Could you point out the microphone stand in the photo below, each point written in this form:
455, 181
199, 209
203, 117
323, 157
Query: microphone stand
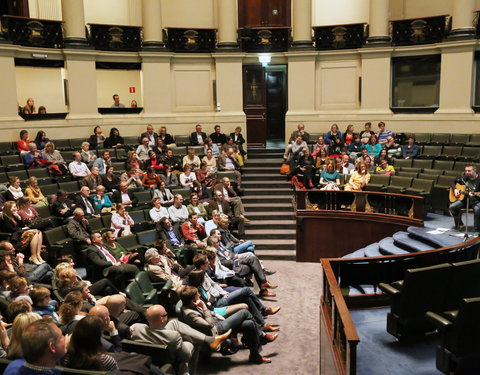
465, 236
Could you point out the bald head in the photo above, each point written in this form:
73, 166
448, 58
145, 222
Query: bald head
102, 312
116, 304
157, 316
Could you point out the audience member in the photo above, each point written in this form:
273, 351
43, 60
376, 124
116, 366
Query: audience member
114, 140
212, 146
153, 161
349, 135
143, 149
217, 136
93, 179
85, 202
198, 208
63, 207
238, 139
33, 192
373, 147
88, 156
231, 197
385, 168
122, 223
77, 168
30, 215
116, 102
150, 135
304, 165
162, 265
110, 180
103, 162
132, 178
160, 148
79, 230
166, 138
101, 201
157, 211
174, 240
21, 322
198, 138
41, 140
383, 133
173, 161
29, 108
177, 211
193, 231
14, 191
124, 196
151, 180
359, 178
118, 251
54, 156
366, 133
410, 150
333, 133
228, 162
394, 150
33, 158
187, 177
191, 159
42, 303
97, 139
210, 161
42, 110
165, 195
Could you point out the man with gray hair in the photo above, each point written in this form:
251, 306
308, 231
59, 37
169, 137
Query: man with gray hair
178, 212
79, 229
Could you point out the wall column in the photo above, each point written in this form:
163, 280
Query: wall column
378, 22
8, 94
462, 19
302, 24
375, 74
227, 25
152, 24
74, 22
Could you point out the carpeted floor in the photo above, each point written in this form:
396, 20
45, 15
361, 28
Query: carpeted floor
296, 351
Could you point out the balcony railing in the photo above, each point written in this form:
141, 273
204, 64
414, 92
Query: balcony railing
425, 30
340, 36
115, 38
265, 39
191, 40
32, 32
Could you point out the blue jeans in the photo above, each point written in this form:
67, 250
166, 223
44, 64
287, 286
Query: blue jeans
456, 207
244, 247
243, 321
245, 295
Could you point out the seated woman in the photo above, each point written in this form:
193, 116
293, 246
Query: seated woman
133, 160
367, 133
151, 180
383, 155
114, 140
373, 147
318, 146
54, 157
210, 161
110, 180
358, 179
166, 138
160, 148
333, 133
14, 191
23, 142
29, 108
329, 178
198, 208
230, 241
88, 156
157, 211
22, 235
165, 195
118, 251
70, 311
355, 148
21, 322
153, 161
122, 222
187, 177
322, 159
204, 175
97, 139
349, 135
370, 166
336, 147
33, 158
19, 289
33, 192
85, 350
41, 140
198, 316
170, 178
385, 168
30, 215
304, 165
102, 201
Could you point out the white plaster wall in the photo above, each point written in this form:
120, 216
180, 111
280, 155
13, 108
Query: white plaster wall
334, 12
111, 82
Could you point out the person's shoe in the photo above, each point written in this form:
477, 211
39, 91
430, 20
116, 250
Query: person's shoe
266, 293
34, 261
270, 328
258, 359
268, 285
248, 282
268, 337
271, 310
245, 219
268, 272
217, 341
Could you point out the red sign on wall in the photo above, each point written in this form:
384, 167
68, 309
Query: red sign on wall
131, 90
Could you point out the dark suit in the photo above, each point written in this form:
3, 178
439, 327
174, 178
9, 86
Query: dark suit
218, 138
97, 261
194, 139
235, 222
117, 197
146, 135
239, 142
91, 181
79, 201
80, 232
57, 206
182, 250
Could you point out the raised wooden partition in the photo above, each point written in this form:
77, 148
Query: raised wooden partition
326, 219
338, 336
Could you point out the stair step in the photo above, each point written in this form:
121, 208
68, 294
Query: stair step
276, 254
274, 244
263, 176
267, 198
264, 150
278, 155
271, 191
268, 215
272, 224
259, 170
267, 207
265, 184
254, 234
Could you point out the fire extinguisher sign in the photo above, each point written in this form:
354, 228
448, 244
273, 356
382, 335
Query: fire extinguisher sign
131, 90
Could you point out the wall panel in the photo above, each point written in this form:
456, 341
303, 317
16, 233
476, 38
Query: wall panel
337, 84
193, 88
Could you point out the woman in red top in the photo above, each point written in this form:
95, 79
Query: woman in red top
22, 143
153, 161
349, 135
151, 180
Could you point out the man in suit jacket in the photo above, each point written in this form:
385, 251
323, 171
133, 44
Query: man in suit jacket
218, 203
238, 139
198, 138
93, 179
112, 269
175, 240
181, 340
217, 136
124, 196
79, 230
85, 202
231, 197
63, 207
151, 135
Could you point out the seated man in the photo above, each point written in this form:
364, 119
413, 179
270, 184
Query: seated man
219, 204
161, 265
217, 136
191, 159
131, 178
296, 149
383, 133
394, 150
198, 138
347, 167
79, 230
63, 207
410, 150
213, 223
103, 162
142, 150
151, 135
124, 196
385, 168
178, 212
175, 241
85, 202
124, 313
228, 162
243, 264
179, 338
114, 342
463, 187
231, 197
77, 167
93, 179
116, 102
112, 269
299, 132
193, 231
172, 161
43, 346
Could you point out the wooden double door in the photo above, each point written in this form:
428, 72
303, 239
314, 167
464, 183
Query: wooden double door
258, 13
265, 102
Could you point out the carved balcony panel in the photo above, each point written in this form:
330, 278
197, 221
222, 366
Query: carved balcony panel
191, 40
265, 39
115, 37
420, 31
32, 32
340, 36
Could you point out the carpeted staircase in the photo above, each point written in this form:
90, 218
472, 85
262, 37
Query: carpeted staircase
268, 203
